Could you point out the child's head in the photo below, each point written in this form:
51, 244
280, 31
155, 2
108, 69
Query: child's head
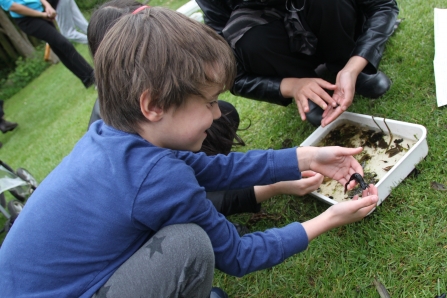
163, 53
105, 17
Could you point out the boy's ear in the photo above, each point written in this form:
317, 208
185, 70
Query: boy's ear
152, 114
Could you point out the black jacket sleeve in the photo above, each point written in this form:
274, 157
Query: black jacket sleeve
379, 19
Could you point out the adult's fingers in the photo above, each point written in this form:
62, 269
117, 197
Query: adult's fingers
331, 116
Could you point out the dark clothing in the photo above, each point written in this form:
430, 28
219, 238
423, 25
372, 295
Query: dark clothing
344, 28
231, 202
64, 49
2, 113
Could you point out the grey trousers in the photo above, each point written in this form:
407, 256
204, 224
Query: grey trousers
69, 18
178, 261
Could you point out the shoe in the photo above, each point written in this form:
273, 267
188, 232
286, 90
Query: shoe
218, 293
315, 114
372, 85
6, 126
90, 81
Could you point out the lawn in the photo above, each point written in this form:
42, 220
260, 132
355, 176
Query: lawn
403, 243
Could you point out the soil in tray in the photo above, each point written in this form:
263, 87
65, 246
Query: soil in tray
379, 155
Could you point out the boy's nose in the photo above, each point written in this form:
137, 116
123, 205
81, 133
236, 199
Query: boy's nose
216, 112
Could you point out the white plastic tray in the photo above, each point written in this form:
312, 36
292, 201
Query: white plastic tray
401, 169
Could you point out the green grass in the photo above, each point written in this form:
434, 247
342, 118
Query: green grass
404, 242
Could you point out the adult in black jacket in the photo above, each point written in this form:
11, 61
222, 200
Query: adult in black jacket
278, 44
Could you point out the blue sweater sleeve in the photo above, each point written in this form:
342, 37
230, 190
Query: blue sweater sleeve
183, 200
239, 170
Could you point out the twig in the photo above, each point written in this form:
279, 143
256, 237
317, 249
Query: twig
391, 135
377, 124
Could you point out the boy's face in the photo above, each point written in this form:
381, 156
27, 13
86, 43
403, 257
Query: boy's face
184, 127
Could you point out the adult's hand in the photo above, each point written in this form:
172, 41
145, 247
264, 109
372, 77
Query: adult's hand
343, 95
49, 10
306, 89
345, 89
26, 11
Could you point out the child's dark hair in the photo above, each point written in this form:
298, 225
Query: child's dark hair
222, 136
162, 52
105, 17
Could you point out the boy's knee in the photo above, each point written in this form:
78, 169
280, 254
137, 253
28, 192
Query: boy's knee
189, 238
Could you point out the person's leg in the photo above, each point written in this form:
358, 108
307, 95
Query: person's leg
229, 202
65, 19
46, 31
264, 50
334, 23
337, 24
178, 261
5, 126
2, 113
79, 19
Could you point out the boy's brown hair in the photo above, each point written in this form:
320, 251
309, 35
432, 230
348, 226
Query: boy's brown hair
161, 51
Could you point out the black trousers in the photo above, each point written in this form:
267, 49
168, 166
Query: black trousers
264, 50
64, 49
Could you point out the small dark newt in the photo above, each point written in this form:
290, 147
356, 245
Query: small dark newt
357, 177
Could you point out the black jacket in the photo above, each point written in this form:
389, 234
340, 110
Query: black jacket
379, 20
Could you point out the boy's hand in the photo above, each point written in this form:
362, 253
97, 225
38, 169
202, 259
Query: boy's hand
352, 211
337, 163
301, 187
342, 213
295, 187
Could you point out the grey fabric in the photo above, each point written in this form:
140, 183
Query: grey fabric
69, 18
178, 261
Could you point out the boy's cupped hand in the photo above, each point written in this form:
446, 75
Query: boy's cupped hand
342, 213
354, 210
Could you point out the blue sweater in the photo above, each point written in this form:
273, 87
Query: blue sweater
113, 192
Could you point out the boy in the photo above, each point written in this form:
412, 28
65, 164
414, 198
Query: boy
125, 214
220, 136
